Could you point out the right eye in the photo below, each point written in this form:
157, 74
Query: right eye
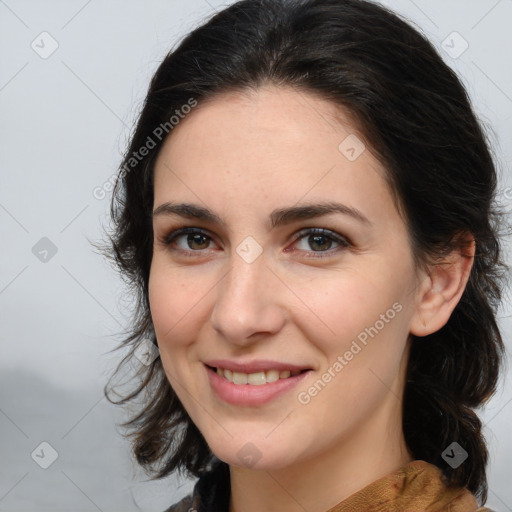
188, 238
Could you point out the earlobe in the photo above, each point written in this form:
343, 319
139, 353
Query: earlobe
442, 288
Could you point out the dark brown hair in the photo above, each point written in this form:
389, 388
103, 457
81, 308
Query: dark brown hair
414, 114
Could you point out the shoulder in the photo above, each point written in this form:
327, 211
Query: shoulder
184, 505
211, 491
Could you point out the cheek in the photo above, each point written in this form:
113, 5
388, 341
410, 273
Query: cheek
361, 334
338, 311
171, 302
163, 304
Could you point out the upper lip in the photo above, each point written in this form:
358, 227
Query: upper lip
254, 366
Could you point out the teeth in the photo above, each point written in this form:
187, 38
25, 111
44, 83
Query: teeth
255, 379
239, 378
272, 376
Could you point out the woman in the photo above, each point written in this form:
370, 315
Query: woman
306, 213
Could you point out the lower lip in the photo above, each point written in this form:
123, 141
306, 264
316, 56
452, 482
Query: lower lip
248, 394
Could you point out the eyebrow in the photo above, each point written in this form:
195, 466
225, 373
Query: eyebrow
278, 217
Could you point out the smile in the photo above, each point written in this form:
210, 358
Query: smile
257, 378
256, 385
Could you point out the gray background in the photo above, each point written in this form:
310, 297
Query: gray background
65, 120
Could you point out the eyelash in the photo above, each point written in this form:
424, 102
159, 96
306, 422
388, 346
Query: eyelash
342, 241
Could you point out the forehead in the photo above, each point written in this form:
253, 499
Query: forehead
270, 146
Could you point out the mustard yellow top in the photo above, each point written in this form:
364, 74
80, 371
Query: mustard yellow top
417, 486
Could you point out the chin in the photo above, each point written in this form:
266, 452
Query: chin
254, 455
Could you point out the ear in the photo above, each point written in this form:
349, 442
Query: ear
442, 287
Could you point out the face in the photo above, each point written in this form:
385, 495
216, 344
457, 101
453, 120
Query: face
305, 306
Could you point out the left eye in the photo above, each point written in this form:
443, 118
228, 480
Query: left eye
322, 239
319, 239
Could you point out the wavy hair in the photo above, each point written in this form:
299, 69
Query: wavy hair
415, 116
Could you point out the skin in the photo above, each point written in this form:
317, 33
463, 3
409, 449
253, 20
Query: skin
242, 155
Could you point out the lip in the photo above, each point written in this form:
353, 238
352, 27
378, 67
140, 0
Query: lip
259, 365
248, 394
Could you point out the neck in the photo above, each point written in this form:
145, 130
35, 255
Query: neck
317, 484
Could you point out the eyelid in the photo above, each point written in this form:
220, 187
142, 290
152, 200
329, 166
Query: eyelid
342, 240
185, 230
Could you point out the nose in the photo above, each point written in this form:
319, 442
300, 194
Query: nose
248, 302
